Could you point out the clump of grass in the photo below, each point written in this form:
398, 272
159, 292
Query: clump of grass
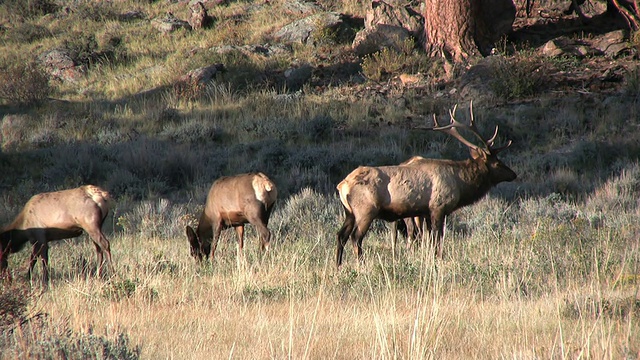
158, 218
23, 83
516, 78
26, 33
613, 307
28, 9
632, 81
120, 289
14, 300
390, 62
48, 342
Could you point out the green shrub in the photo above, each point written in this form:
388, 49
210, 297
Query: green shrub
389, 62
118, 290
24, 84
516, 78
28, 8
384, 64
26, 33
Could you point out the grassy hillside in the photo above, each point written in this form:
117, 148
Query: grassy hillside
544, 267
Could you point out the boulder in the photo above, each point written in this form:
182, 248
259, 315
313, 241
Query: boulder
306, 30
381, 13
387, 26
565, 46
60, 66
296, 77
266, 50
301, 7
202, 75
369, 41
169, 23
612, 44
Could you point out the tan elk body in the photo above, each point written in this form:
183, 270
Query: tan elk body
55, 216
427, 188
234, 201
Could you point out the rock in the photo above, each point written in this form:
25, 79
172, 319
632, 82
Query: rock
266, 50
289, 97
301, 7
306, 30
387, 26
381, 13
612, 44
169, 23
369, 41
295, 78
202, 75
565, 46
60, 66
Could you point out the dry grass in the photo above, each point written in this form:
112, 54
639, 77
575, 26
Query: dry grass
508, 287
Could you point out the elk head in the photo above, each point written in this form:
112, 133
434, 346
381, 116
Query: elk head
486, 154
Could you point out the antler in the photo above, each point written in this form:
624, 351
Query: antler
452, 129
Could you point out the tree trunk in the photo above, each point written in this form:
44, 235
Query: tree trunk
459, 29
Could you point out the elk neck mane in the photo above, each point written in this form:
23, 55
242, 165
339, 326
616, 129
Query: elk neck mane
474, 175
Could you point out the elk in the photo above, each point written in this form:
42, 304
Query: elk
54, 216
429, 188
232, 202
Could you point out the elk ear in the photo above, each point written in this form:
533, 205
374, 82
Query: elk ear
478, 154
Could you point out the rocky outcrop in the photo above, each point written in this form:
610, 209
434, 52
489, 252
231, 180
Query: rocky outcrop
169, 23
310, 29
60, 66
202, 75
612, 44
387, 26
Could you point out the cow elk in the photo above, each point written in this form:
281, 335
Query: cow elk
55, 216
234, 201
428, 188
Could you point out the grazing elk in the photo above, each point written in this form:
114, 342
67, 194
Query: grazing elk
55, 216
429, 188
232, 202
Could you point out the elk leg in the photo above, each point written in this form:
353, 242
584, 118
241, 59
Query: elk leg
103, 249
259, 218
419, 222
437, 223
240, 232
4, 265
40, 250
411, 230
343, 235
362, 227
214, 242
394, 236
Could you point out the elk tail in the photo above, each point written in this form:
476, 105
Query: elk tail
344, 189
100, 197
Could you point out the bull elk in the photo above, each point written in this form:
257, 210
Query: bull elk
429, 188
234, 201
55, 216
